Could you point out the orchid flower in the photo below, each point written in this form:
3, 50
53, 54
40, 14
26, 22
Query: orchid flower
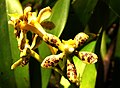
68, 49
23, 23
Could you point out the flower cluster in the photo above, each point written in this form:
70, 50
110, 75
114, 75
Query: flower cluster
28, 21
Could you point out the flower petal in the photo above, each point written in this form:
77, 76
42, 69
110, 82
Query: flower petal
52, 40
17, 63
80, 39
36, 42
87, 57
71, 72
27, 9
52, 60
44, 14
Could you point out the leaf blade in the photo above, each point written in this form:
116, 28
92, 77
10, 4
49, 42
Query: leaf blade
59, 16
21, 74
7, 78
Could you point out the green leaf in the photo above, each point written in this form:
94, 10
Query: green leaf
58, 17
7, 78
115, 5
9, 52
86, 73
88, 79
84, 9
14, 7
103, 45
64, 82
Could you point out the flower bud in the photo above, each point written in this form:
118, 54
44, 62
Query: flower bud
87, 57
81, 39
71, 72
52, 60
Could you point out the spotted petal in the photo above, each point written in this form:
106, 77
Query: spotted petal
80, 39
71, 72
52, 40
52, 60
87, 57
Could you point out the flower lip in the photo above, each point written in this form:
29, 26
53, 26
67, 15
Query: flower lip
71, 49
68, 49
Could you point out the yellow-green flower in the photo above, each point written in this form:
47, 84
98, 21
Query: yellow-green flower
69, 48
28, 21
